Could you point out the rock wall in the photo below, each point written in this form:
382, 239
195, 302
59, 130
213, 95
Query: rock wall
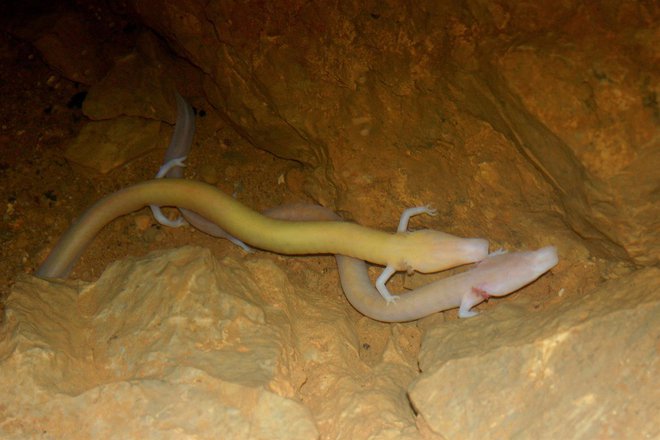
178, 344
570, 89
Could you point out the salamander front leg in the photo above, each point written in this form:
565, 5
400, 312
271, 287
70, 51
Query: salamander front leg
464, 309
389, 270
410, 212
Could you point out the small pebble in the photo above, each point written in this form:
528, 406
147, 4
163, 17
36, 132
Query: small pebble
295, 180
151, 235
143, 222
209, 173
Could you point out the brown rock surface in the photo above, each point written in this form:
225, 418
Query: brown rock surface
389, 87
126, 107
177, 343
69, 44
585, 368
165, 346
139, 83
105, 145
139, 353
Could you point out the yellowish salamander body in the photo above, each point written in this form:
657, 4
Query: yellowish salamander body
424, 251
499, 274
311, 229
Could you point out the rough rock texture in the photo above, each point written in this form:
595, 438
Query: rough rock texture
163, 347
140, 83
572, 89
179, 344
585, 368
566, 95
67, 42
104, 145
126, 108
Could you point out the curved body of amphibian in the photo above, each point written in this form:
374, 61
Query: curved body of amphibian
499, 274
312, 229
424, 250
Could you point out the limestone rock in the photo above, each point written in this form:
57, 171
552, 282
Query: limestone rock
385, 99
178, 344
127, 106
105, 145
586, 368
160, 347
515, 120
68, 43
135, 86
597, 101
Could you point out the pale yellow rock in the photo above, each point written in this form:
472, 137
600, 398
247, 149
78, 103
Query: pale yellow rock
135, 86
584, 369
160, 347
179, 344
209, 173
349, 398
143, 222
105, 145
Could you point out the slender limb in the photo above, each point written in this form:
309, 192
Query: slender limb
199, 224
155, 210
389, 270
239, 243
405, 217
380, 284
465, 312
167, 166
471, 299
160, 218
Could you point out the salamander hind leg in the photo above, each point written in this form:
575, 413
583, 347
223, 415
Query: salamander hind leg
158, 214
167, 166
380, 284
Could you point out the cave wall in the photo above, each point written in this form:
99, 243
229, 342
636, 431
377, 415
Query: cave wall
571, 89
526, 123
